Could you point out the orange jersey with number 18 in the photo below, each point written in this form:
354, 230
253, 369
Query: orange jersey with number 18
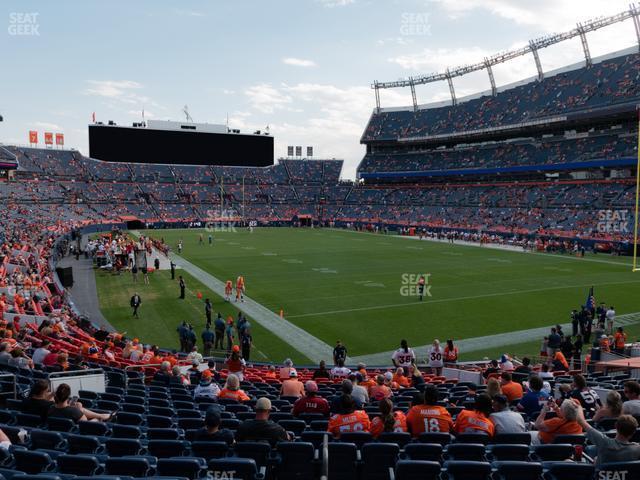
429, 418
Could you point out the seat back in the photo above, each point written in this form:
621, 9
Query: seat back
78, 465
431, 452
412, 469
467, 470
120, 447
343, 459
243, 468
179, 467
258, 451
465, 451
32, 462
134, 467
515, 470
167, 448
378, 458
296, 460
209, 450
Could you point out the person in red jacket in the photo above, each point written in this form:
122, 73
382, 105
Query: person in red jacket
311, 402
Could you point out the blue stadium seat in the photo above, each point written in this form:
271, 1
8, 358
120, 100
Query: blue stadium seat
84, 444
435, 437
133, 408
401, 438
551, 453
505, 452
32, 462
163, 434
28, 420
209, 450
93, 428
315, 437
514, 470
571, 439
319, 425
58, 424
167, 448
378, 459
126, 418
125, 431
632, 470
343, 461
568, 471
194, 423
518, 438
295, 426
359, 438
465, 451
414, 469
120, 447
41, 439
467, 470
295, 460
260, 452
431, 452
134, 467
243, 468
79, 465
473, 438
158, 421
180, 467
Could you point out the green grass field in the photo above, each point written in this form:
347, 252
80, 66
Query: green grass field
347, 285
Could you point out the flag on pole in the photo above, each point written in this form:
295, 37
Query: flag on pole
591, 301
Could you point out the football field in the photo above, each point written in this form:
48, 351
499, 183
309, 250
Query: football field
360, 287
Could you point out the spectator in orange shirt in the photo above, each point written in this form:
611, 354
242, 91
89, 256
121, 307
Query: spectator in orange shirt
560, 362
271, 373
619, 341
232, 390
476, 420
400, 379
379, 390
292, 387
348, 419
425, 415
450, 353
510, 389
566, 423
388, 421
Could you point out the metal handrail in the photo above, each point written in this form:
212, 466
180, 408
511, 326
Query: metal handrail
324, 475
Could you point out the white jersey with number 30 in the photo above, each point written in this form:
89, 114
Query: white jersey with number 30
402, 358
434, 357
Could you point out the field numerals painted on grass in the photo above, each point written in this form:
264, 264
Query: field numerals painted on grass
324, 270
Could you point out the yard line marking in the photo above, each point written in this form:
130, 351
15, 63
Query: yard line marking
454, 299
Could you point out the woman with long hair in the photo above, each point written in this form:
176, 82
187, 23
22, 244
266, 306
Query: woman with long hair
388, 421
493, 387
450, 353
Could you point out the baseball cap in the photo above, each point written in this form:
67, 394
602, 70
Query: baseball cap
388, 376
206, 376
311, 386
263, 404
236, 348
293, 373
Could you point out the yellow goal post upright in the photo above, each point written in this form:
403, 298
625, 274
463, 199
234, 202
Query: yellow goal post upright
636, 268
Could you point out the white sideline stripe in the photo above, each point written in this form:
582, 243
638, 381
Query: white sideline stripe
504, 248
490, 341
302, 341
454, 299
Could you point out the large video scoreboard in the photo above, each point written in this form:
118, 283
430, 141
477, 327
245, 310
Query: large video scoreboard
179, 143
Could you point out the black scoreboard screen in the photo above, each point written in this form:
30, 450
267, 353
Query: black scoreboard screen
146, 145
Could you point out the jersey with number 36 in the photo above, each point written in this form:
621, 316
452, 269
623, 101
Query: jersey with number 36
402, 358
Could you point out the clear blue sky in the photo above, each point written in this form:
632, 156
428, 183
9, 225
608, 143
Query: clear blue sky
303, 67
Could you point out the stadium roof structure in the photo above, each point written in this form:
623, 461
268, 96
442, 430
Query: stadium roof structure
532, 48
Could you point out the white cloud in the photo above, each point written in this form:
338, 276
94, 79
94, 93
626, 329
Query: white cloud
266, 98
299, 62
228, 92
47, 125
188, 13
394, 41
112, 88
335, 3
138, 114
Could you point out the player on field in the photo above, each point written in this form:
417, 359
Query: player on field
425, 415
180, 246
404, 356
421, 284
240, 288
349, 419
228, 289
200, 239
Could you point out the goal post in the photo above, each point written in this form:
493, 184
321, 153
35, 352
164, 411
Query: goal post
635, 219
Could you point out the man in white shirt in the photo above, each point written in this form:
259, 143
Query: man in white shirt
340, 371
41, 352
505, 420
632, 392
611, 316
